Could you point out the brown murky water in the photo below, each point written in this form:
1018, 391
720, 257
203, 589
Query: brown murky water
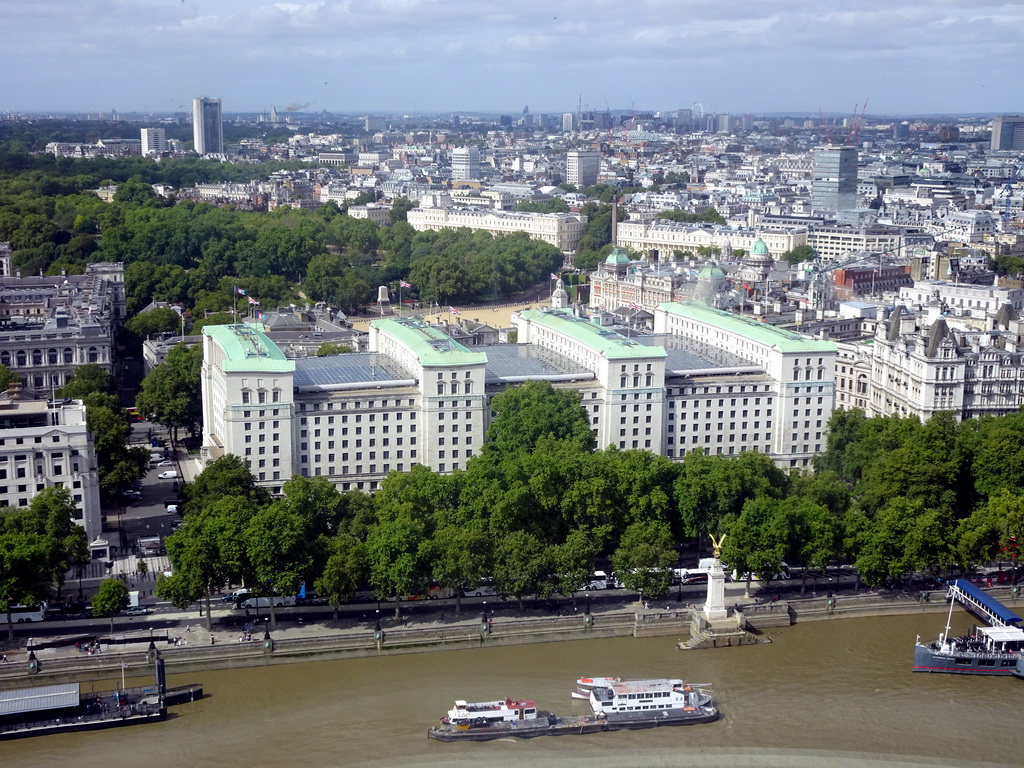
831, 693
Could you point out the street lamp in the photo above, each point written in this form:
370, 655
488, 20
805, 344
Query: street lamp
679, 591
587, 609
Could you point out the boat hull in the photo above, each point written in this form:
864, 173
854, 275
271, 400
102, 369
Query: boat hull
929, 658
574, 725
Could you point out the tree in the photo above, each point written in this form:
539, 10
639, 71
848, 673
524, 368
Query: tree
799, 254
574, 559
332, 348
521, 565
171, 392
154, 321
394, 548
644, 558
400, 209
21, 580
88, 379
110, 600
344, 571
757, 540
277, 543
7, 377
535, 409
459, 556
227, 476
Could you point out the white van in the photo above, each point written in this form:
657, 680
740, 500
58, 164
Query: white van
783, 574
598, 581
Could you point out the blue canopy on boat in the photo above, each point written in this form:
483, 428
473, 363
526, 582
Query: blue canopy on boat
987, 601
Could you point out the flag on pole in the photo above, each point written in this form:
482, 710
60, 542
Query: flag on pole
404, 284
454, 311
382, 311
253, 301
239, 291
554, 276
635, 306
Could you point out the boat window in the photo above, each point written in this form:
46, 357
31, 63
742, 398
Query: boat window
963, 662
986, 662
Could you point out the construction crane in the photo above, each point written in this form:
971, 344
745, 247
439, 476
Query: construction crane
824, 125
853, 137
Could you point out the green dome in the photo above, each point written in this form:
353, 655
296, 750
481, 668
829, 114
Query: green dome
711, 272
760, 248
617, 256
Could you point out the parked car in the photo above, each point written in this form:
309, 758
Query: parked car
176, 524
137, 610
169, 474
132, 494
166, 463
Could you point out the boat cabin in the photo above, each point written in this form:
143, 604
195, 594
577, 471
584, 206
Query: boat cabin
642, 696
504, 711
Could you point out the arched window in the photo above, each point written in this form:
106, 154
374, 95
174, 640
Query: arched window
37, 357
5, 358
93, 355
51, 356
22, 358
69, 355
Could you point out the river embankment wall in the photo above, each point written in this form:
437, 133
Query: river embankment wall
320, 642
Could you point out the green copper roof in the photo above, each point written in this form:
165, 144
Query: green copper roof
711, 272
762, 333
430, 345
614, 346
247, 348
617, 256
760, 247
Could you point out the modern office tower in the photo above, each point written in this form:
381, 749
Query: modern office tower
582, 167
154, 141
207, 126
901, 130
568, 122
465, 163
834, 187
1008, 132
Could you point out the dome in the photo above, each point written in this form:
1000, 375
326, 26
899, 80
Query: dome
760, 248
617, 256
711, 272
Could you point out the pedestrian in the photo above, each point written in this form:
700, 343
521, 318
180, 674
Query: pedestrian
4, 659
188, 628
213, 640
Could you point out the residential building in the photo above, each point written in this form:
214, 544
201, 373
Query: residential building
582, 167
207, 126
465, 163
834, 186
154, 141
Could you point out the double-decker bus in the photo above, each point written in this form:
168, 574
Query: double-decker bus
21, 614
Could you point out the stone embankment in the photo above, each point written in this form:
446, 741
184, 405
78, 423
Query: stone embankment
198, 650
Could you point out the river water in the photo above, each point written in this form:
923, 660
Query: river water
832, 693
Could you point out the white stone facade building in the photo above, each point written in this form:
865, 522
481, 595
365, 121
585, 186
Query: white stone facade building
563, 230
666, 237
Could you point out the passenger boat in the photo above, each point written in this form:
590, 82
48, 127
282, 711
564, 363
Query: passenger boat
586, 684
647, 702
616, 706
486, 713
992, 650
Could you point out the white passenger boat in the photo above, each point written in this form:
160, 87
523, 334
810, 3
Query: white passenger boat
484, 713
644, 699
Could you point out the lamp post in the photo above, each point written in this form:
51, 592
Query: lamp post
679, 591
587, 609
484, 625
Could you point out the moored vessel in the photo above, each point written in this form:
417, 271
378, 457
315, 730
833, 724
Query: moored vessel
585, 685
993, 650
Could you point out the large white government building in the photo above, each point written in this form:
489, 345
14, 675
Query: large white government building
706, 379
563, 230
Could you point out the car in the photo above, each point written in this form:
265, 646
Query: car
166, 463
176, 524
132, 494
137, 610
169, 474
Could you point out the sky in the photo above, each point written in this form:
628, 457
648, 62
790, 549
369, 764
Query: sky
420, 56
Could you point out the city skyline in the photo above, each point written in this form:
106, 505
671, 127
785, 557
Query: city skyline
421, 56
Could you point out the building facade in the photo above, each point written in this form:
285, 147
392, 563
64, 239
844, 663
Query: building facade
465, 163
207, 126
1008, 133
834, 186
46, 444
563, 230
582, 167
661, 238
154, 141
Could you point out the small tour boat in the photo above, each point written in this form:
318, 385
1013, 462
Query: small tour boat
485, 713
586, 684
642, 700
